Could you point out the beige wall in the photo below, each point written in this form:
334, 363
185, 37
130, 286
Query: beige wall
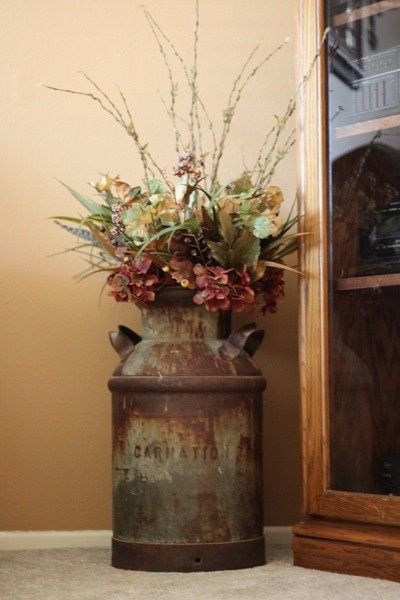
55, 407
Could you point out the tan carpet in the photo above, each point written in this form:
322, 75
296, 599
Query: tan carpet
86, 575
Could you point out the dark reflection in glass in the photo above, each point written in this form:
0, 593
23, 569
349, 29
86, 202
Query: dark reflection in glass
363, 94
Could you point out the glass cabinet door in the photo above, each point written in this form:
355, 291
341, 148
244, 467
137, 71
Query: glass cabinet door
363, 122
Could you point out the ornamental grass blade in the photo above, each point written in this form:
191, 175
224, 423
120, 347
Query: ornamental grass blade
101, 293
277, 265
292, 244
73, 249
93, 273
281, 243
165, 231
287, 249
77, 220
289, 223
80, 220
92, 207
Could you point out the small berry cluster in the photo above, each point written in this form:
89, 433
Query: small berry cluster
116, 217
188, 165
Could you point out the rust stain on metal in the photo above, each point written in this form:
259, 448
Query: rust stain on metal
208, 515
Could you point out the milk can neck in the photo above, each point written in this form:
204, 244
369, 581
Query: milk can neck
178, 323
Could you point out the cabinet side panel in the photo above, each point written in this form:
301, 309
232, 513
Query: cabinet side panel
313, 259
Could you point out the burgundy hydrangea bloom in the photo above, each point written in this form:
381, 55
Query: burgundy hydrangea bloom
271, 287
223, 289
242, 294
207, 275
181, 271
214, 289
133, 282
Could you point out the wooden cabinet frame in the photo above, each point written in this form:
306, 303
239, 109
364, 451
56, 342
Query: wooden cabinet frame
342, 531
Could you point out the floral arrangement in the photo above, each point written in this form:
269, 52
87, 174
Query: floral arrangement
226, 242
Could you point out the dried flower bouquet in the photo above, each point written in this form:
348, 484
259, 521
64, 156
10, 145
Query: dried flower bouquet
226, 242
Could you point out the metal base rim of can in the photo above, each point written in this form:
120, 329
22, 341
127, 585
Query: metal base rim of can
218, 556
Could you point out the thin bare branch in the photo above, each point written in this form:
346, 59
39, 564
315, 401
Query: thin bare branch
240, 74
279, 129
193, 80
127, 109
179, 57
234, 99
103, 93
178, 117
283, 120
89, 95
257, 164
173, 85
280, 155
308, 73
145, 156
169, 42
131, 130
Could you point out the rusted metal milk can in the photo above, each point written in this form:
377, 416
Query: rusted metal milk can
187, 456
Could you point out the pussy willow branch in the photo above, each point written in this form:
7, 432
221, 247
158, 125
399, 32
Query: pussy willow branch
179, 57
127, 109
232, 105
178, 117
240, 75
282, 121
258, 163
220, 148
193, 81
308, 73
89, 95
173, 87
130, 128
280, 155
279, 128
103, 93
195, 97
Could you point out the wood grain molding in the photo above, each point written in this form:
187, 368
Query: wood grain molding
354, 549
367, 508
348, 558
356, 533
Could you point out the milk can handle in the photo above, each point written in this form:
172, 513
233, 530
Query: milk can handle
246, 338
124, 341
